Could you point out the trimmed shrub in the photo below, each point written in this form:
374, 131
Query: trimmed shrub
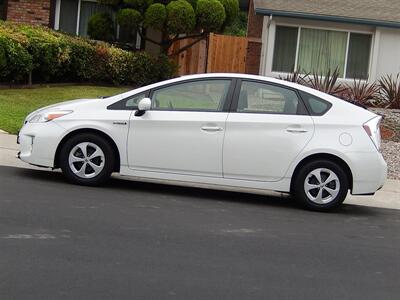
181, 17
231, 9
139, 4
50, 56
155, 16
100, 27
193, 3
129, 18
210, 15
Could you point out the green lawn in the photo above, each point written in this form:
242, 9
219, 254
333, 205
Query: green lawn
15, 104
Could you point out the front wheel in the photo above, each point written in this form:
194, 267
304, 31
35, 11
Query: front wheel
321, 185
87, 159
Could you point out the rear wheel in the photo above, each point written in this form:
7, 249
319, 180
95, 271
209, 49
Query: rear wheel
87, 159
321, 185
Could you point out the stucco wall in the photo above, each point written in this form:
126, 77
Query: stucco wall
388, 56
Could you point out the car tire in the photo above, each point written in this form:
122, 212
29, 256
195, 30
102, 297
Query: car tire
87, 159
321, 185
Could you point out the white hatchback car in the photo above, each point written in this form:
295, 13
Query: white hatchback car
226, 130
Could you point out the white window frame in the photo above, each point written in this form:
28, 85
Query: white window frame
348, 31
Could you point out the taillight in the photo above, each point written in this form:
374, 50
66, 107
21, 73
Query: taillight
372, 128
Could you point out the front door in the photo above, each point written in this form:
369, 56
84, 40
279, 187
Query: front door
183, 132
268, 128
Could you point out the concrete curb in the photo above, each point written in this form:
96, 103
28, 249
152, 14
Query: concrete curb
3, 132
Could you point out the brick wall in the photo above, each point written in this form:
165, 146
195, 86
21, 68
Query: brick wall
254, 33
29, 11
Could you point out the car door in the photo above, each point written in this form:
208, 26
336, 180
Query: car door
183, 132
267, 128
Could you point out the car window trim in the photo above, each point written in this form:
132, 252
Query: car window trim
227, 100
235, 100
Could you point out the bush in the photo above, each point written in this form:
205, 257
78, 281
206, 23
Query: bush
231, 9
129, 18
238, 26
210, 15
100, 27
181, 17
50, 56
155, 16
15, 61
139, 4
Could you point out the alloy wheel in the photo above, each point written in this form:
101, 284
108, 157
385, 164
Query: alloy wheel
322, 186
86, 160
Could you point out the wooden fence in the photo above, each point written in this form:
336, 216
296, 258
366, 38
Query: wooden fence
220, 53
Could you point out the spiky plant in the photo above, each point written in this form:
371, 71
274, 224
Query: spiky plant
327, 83
361, 92
295, 77
389, 91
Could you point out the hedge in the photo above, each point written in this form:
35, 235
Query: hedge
45, 55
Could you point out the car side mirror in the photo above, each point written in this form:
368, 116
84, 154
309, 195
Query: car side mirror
143, 105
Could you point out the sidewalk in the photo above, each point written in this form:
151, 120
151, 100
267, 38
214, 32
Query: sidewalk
387, 197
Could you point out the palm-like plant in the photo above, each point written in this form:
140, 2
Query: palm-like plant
389, 91
361, 92
295, 77
326, 83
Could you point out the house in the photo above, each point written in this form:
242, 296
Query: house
71, 16
360, 38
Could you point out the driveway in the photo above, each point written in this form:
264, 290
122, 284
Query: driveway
134, 240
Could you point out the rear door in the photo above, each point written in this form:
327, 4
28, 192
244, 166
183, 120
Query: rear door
183, 132
265, 131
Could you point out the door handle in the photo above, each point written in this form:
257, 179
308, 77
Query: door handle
296, 130
211, 128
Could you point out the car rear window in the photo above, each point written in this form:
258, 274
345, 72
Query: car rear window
315, 105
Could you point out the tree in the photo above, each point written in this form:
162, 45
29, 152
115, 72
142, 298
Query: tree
176, 20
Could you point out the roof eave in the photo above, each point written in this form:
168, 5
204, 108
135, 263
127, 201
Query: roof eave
301, 15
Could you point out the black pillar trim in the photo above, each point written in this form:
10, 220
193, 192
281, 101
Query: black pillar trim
52, 17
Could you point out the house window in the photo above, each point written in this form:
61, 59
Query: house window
74, 15
309, 50
88, 9
2, 10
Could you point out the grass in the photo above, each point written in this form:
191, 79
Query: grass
15, 104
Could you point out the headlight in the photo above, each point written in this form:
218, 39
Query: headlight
48, 116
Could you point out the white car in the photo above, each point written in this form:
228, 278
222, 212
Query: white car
225, 130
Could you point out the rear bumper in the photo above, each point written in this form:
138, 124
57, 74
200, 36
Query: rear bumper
369, 172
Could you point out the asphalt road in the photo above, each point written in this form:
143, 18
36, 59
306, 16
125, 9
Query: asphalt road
134, 240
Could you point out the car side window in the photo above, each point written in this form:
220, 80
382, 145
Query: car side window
257, 97
316, 105
129, 103
204, 95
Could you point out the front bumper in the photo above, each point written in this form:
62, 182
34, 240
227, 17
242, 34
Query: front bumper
38, 143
